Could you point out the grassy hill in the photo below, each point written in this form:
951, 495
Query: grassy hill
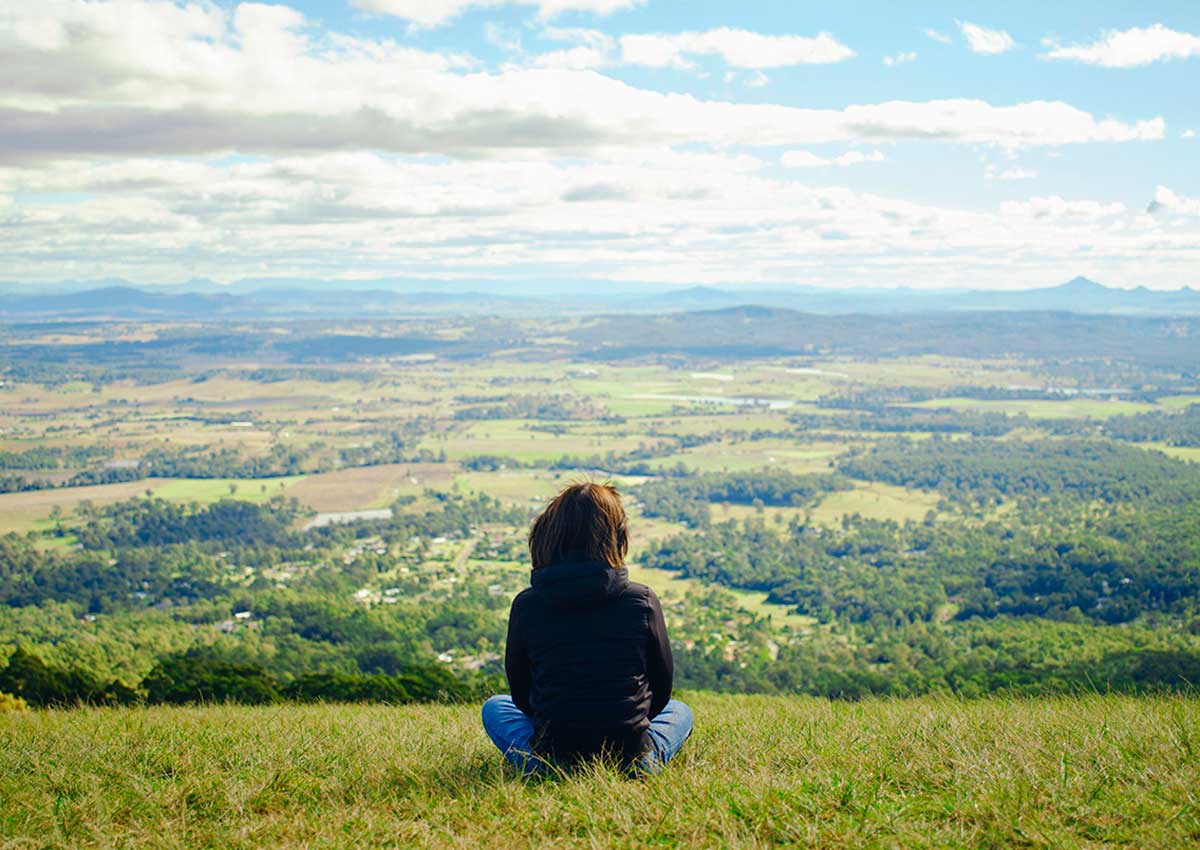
1093, 771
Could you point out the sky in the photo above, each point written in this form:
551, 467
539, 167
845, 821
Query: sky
595, 143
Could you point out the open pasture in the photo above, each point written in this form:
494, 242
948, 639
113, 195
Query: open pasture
740, 455
669, 585
367, 487
875, 500
1088, 771
528, 441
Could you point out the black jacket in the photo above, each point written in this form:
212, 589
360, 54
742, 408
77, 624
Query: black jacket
588, 659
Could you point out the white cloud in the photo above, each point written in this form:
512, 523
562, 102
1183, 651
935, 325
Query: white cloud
1165, 199
365, 157
651, 215
738, 49
595, 49
807, 159
984, 40
1055, 207
195, 79
1130, 48
433, 13
1188, 134
757, 80
1015, 173
575, 58
900, 58
937, 36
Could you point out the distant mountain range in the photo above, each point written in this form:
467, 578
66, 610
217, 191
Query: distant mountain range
276, 298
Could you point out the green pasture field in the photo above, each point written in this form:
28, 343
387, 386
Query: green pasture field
1178, 402
668, 584
1191, 453
208, 490
516, 438
875, 500
23, 512
936, 371
758, 772
797, 456
772, 517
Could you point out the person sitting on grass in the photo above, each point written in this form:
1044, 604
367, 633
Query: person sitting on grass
588, 659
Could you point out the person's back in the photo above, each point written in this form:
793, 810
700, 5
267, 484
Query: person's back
588, 659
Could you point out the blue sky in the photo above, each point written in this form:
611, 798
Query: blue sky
936, 145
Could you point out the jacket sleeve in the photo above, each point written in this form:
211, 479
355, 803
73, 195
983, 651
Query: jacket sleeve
660, 667
516, 661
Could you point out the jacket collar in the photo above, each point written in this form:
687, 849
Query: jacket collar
579, 583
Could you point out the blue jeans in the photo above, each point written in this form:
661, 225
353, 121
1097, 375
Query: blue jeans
510, 730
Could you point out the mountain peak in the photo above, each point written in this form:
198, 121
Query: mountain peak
1082, 284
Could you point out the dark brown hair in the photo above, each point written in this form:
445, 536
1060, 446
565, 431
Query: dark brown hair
586, 521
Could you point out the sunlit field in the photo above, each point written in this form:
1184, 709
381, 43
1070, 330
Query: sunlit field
1091, 771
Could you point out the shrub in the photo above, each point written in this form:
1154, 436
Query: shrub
10, 703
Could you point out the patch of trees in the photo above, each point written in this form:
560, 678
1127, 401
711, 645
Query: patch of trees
27, 677
750, 331
53, 457
205, 462
984, 471
885, 419
562, 407
201, 675
1113, 568
686, 499
156, 522
1175, 428
84, 478
100, 583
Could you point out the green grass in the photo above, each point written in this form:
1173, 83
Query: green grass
667, 584
759, 772
1178, 402
1191, 453
214, 489
875, 500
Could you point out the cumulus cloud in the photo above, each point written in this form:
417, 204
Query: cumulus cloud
594, 49
655, 215
1167, 201
737, 48
1188, 134
807, 159
195, 139
984, 40
433, 13
1055, 207
937, 36
193, 79
900, 58
1129, 48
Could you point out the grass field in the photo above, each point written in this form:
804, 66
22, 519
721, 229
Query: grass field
876, 501
1094, 771
667, 584
1191, 453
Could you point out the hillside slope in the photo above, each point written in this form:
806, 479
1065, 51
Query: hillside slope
1097, 771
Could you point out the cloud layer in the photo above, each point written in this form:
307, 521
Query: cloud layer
433, 13
1130, 48
179, 139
